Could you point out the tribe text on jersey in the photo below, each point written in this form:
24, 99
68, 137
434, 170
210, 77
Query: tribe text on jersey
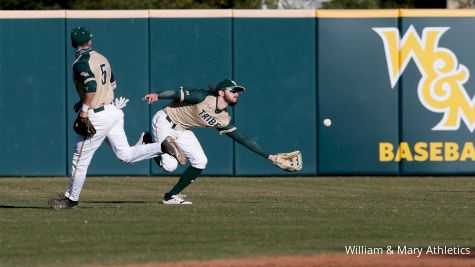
201, 115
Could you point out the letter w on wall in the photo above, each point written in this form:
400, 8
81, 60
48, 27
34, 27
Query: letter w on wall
441, 87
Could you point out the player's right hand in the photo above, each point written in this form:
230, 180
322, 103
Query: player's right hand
152, 97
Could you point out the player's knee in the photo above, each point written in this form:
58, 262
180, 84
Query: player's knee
168, 163
199, 162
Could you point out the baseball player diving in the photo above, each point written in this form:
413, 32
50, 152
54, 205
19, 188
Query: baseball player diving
200, 108
100, 118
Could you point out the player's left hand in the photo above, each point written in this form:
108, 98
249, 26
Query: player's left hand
152, 97
83, 126
291, 161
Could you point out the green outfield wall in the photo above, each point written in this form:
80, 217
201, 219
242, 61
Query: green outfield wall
395, 84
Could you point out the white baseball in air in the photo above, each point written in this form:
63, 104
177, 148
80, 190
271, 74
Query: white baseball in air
327, 122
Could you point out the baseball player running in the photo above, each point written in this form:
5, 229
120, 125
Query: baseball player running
99, 117
197, 108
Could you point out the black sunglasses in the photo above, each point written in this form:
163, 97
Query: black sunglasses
234, 90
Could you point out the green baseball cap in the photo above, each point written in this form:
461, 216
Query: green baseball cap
230, 84
80, 35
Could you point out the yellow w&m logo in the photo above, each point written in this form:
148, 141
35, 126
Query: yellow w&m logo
441, 88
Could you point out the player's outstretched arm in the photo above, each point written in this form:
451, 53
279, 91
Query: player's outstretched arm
287, 161
242, 139
165, 94
192, 96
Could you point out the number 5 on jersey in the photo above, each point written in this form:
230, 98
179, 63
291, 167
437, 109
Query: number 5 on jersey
103, 74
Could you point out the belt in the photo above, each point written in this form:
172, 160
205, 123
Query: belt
99, 109
170, 121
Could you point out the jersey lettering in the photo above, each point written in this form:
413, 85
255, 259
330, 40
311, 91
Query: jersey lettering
104, 74
212, 122
92, 70
198, 114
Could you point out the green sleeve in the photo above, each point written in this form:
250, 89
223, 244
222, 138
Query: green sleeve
84, 75
169, 94
195, 96
192, 96
242, 139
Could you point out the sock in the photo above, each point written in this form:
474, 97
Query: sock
190, 174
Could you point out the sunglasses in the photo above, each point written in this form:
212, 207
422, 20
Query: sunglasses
234, 90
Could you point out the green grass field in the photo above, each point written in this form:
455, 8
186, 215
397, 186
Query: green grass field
120, 219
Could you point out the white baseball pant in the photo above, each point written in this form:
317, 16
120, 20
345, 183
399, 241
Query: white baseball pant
109, 124
185, 139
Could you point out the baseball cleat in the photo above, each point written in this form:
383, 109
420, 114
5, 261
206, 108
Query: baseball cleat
62, 203
176, 200
170, 147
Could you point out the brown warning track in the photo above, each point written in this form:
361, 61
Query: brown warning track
334, 260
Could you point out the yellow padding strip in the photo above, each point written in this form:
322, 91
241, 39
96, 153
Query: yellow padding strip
357, 13
393, 13
273, 13
236, 13
437, 12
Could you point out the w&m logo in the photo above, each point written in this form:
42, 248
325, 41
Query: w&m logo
441, 88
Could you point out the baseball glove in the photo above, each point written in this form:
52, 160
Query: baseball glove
289, 161
84, 127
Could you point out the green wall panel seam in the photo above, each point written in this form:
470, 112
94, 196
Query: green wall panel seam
149, 87
317, 108
400, 97
232, 75
66, 95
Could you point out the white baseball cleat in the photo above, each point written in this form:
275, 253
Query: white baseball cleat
170, 147
176, 200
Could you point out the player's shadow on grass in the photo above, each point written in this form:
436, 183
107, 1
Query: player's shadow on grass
453, 191
91, 202
21, 207
117, 202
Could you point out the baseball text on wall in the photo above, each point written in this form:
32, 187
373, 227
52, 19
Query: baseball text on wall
440, 90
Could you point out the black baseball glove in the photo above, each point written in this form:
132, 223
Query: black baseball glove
84, 127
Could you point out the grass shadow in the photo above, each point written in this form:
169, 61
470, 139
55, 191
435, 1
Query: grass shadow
21, 207
118, 202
